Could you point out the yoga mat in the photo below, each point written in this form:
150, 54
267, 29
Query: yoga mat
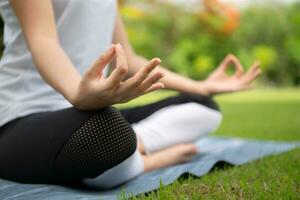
213, 150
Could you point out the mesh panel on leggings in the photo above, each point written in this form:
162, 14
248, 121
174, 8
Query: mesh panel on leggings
102, 142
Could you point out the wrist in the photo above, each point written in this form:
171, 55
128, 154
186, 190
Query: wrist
71, 94
205, 88
200, 87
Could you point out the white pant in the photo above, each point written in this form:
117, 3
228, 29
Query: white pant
175, 124
171, 125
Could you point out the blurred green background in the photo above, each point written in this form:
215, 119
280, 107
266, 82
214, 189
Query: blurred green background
193, 41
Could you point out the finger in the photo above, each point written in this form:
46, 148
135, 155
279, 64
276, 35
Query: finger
154, 87
231, 59
151, 80
252, 73
97, 68
254, 69
121, 69
142, 74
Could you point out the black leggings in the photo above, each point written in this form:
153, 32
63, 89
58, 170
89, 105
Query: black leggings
69, 145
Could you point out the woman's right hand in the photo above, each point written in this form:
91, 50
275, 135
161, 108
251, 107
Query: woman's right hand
94, 91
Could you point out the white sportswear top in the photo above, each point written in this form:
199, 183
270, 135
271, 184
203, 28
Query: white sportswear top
85, 29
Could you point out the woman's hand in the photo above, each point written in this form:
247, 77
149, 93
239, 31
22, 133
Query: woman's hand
95, 91
220, 82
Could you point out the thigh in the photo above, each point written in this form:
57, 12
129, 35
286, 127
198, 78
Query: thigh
47, 147
136, 114
28, 145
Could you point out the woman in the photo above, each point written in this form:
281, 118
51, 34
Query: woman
57, 123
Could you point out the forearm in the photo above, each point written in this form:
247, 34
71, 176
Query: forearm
37, 21
171, 80
55, 66
218, 82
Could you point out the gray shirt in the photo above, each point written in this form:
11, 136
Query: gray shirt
85, 29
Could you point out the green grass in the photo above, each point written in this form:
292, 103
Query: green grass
267, 114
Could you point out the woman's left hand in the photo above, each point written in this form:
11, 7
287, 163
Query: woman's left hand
220, 82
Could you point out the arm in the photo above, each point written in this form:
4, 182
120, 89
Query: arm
218, 82
36, 19
171, 80
92, 91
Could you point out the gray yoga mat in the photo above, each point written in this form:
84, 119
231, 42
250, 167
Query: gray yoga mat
213, 150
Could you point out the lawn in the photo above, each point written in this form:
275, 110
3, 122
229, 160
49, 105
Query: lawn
266, 114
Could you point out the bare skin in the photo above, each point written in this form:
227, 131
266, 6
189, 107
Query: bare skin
133, 75
176, 154
166, 157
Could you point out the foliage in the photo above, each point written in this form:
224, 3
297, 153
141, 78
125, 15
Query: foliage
190, 42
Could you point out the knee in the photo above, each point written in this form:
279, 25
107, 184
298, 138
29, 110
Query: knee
201, 120
208, 111
101, 143
214, 120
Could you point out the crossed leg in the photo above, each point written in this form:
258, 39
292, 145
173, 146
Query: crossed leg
165, 131
174, 120
170, 127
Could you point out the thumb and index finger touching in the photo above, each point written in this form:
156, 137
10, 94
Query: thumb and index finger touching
117, 75
96, 69
232, 60
239, 69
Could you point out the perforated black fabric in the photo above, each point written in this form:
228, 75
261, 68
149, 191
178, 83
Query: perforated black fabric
102, 142
60, 146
